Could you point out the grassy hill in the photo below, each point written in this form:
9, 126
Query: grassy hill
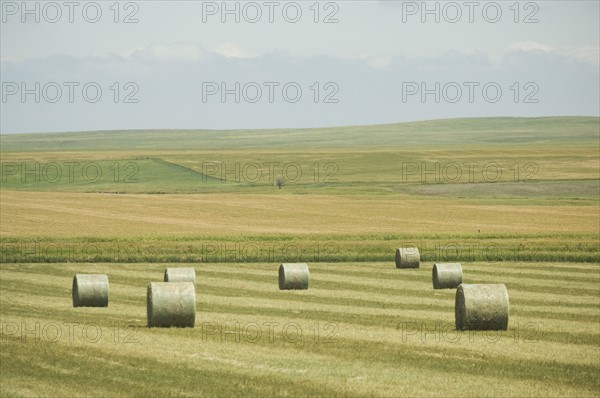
455, 133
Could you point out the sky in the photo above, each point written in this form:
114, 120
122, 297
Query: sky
107, 65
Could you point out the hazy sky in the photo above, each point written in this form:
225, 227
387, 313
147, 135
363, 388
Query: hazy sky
82, 65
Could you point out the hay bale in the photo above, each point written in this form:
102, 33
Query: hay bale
171, 304
90, 290
481, 307
446, 275
180, 275
293, 276
407, 257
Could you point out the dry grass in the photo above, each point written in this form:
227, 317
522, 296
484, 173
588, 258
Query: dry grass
53, 214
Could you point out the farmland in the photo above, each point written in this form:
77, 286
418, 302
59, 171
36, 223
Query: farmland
516, 201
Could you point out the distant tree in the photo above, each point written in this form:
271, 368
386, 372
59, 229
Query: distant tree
280, 182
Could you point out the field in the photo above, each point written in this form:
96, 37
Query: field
516, 201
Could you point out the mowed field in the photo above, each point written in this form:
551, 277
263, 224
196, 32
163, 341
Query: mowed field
362, 329
516, 201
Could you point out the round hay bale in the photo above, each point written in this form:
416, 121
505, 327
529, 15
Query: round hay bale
180, 275
90, 290
407, 257
171, 304
293, 276
446, 275
481, 307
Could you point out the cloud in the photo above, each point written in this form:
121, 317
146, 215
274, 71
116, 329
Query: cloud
530, 46
378, 62
9, 59
169, 53
586, 53
183, 52
232, 50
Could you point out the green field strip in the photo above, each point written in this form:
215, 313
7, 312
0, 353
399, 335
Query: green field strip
150, 175
185, 169
347, 248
